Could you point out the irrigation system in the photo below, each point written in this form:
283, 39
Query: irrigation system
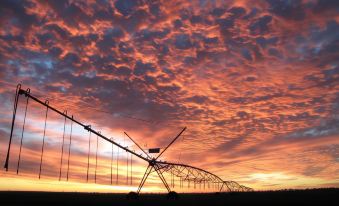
190, 175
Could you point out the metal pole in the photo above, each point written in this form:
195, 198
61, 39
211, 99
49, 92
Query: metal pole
16, 100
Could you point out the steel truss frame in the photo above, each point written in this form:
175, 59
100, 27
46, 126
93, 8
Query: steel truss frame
184, 172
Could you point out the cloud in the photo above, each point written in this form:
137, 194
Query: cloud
326, 128
254, 82
16, 10
143, 68
292, 10
260, 26
198, 99
126, 7
183, 41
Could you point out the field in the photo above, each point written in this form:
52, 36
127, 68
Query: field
285, 197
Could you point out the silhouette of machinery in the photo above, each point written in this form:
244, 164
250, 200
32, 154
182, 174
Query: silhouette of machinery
186, 173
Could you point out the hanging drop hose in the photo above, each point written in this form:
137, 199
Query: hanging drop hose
22, 134
96, 161
89, 152
69, 148
43, 139
127, 167
62, 147
112, 165
131, 170
117, 166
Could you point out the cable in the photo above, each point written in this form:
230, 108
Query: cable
43, 140
117, 179
131, 170
112, 164
69, 148
89, 152
62, 148
96, 161
127, 167
22, 137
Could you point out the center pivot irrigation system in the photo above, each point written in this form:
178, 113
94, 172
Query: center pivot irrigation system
185, 173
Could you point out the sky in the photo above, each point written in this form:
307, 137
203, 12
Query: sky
256, 83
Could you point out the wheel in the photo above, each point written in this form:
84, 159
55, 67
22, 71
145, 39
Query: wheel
132, 196
172, 195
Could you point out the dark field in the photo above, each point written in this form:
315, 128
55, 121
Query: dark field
286, 197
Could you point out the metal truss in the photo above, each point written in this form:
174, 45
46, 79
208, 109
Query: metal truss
185, 173
199, 177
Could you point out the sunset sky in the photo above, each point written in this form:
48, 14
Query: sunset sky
256, 83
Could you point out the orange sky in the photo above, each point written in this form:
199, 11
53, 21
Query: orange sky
254, 82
